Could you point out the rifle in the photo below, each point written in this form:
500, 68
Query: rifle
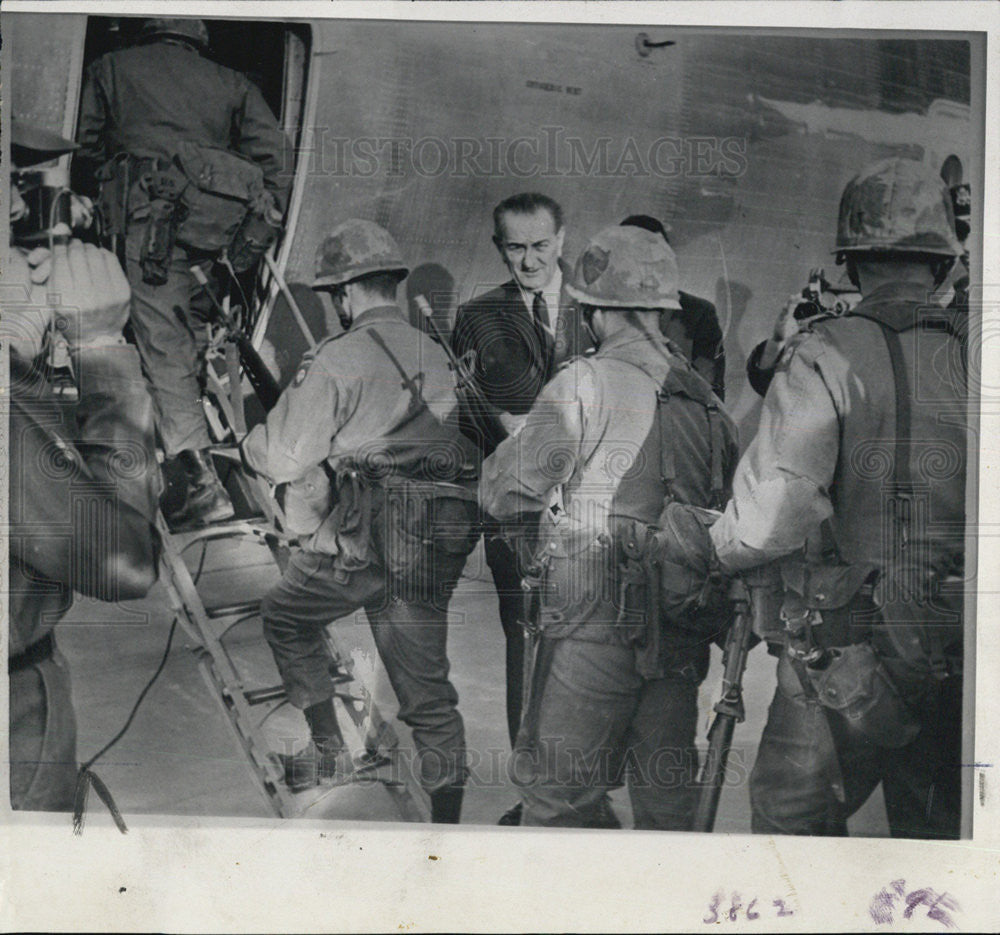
479, 408
729, 709
263, 383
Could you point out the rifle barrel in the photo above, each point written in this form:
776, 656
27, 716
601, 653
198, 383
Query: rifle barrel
728, 710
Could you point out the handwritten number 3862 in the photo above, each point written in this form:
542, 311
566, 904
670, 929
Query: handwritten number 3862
735, 905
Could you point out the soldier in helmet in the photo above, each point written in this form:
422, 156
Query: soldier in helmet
381, 490
607, 443
166, 131
855, 485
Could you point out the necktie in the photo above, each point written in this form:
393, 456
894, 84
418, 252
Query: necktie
540, 313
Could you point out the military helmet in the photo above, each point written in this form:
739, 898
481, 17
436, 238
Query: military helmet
626, 267
356, 248
193, 30
897, 206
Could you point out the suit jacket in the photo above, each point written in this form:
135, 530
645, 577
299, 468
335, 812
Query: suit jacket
511, 364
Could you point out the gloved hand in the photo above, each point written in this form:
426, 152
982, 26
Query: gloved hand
89, 295
81, 211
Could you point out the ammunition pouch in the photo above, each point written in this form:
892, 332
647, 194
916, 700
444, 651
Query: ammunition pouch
308, 502
212, 191
854, 683
158, 239
830, 619
332, 514
577, 592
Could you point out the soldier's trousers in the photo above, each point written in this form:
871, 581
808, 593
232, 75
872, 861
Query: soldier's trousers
171, 335
42, 737
790, 790
589, 716
410, 637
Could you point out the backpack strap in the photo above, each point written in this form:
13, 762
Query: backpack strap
717, 442
902, 479
682, 381
668, 467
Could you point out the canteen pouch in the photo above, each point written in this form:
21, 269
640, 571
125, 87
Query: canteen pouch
221, 187
856, 685
694, 597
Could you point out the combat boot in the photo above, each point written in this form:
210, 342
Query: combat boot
314, 763
206, 500
446, 804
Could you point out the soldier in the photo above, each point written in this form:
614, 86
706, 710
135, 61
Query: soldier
517, 334
83, 481
696, 330
608, 441
373, 408
856, 483
166, 131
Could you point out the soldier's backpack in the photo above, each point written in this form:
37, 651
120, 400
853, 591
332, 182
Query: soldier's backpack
686, 597
222, 187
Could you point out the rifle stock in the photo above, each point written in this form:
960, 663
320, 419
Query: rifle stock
728, 709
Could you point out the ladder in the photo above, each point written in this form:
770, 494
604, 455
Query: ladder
248, 708
214, 630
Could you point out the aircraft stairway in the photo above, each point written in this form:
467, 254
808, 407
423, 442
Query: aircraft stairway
228, 642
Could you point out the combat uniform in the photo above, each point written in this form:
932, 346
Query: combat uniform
143, 102
595, 430
823, 456
374, 408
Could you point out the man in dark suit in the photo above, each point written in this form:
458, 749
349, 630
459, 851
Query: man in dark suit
515, 336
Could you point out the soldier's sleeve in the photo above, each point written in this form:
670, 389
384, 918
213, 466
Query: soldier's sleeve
520, 475
296, 435
94, 111
781, 491
260, 139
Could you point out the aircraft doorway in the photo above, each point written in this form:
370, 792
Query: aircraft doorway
272, 55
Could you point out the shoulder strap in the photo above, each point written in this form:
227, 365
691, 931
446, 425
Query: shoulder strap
902, 494
682, 381
409, 383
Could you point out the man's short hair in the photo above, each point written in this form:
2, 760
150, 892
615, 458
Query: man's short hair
382, 284
525, 203
648, 223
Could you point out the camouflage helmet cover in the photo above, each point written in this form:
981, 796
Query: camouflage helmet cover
183, 28
899, 206
356, 248
626, 267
